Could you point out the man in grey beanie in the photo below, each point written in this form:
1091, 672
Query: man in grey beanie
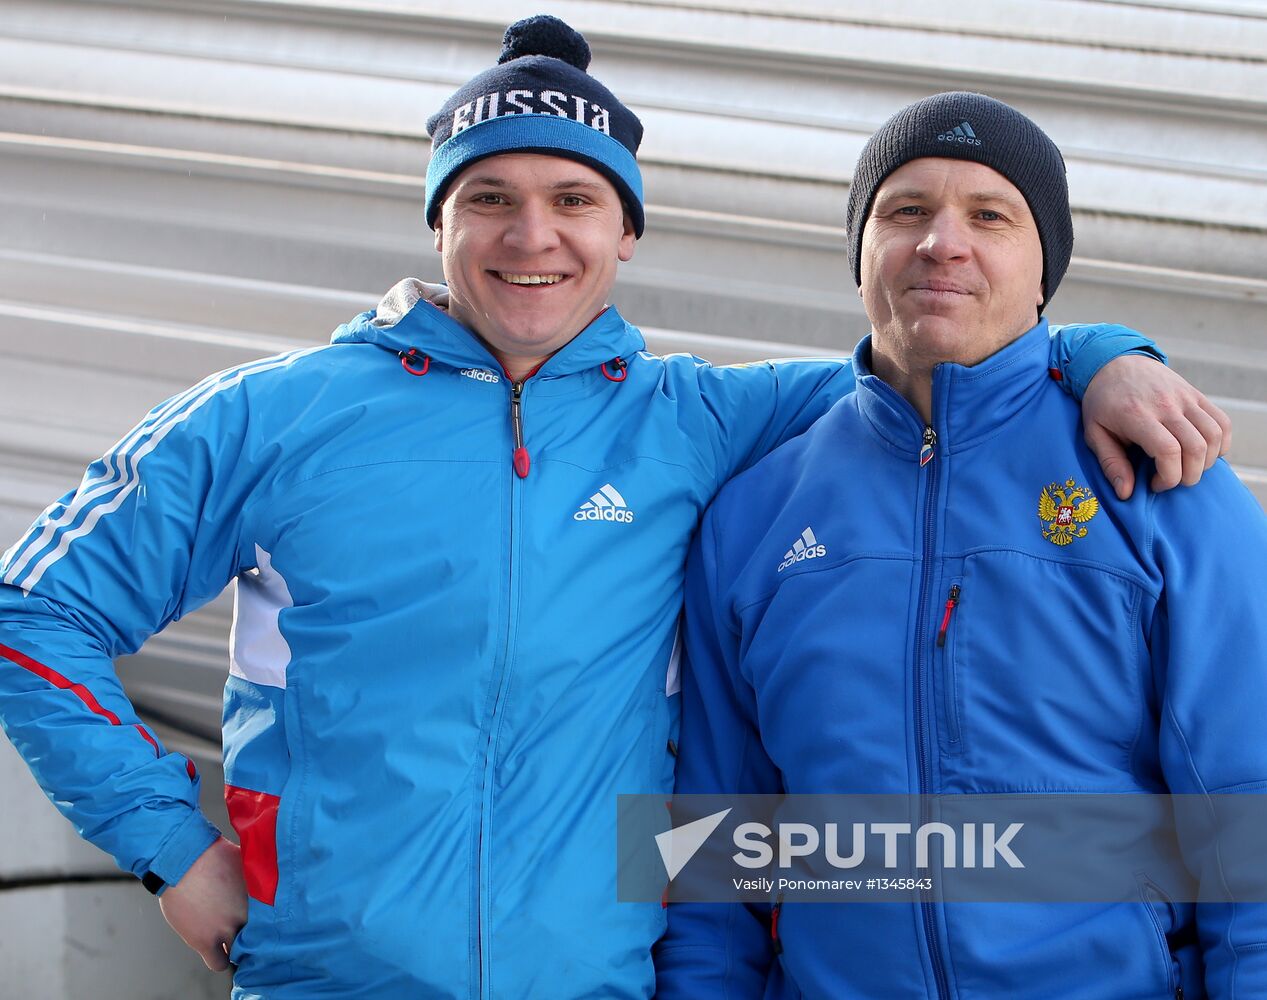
960, 295
1009, 143
977, 614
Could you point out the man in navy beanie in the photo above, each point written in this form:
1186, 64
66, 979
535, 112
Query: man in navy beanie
458, 535
532, 101
978, 617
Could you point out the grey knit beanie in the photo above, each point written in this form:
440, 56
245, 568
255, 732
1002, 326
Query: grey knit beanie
965, 126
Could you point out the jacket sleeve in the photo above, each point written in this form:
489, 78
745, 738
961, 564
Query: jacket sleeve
1208, 642
1080, 350
753, 408
761, 405
715, 949
150, 534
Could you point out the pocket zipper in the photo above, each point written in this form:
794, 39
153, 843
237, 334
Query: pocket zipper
774, 924
950, 693
1153, 893
952, 602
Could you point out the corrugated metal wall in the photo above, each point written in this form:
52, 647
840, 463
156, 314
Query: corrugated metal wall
188, 184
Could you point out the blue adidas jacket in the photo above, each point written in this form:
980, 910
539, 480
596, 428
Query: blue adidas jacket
443, 671
944, 629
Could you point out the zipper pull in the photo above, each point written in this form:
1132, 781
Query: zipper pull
522, 460
774, 924
952, 602
926, 449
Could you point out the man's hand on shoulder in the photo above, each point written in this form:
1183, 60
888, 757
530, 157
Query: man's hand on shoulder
207, 907
1137, 400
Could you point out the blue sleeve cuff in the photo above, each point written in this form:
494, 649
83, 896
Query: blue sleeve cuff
185, 846
1079, 351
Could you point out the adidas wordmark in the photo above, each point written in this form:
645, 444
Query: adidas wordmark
605, 505
805, 547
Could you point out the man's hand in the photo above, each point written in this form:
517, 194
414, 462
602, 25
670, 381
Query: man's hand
1137, 400
207, 907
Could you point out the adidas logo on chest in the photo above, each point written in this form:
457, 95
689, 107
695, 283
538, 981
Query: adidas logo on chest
805, 547
605, 505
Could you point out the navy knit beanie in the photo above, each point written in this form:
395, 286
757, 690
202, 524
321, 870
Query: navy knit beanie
966, 126
537, 99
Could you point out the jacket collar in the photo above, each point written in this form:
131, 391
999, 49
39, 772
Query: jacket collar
408, 317
969, 404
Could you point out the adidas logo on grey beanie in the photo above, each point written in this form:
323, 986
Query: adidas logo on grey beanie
974, 127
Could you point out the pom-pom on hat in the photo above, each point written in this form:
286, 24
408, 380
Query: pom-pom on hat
537, 99
964, 126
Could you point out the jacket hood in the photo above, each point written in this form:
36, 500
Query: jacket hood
413, 314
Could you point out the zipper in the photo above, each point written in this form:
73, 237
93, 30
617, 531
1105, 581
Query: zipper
946, 666
952, 602
521, 463
1153, 895
775, 913
521, 459
928, 446
927, 451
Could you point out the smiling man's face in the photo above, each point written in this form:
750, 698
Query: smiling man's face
530, 245
952, 266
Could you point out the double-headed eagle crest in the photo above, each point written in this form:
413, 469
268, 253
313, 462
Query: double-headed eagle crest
1063, 509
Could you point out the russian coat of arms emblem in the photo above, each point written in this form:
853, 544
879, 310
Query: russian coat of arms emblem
1064, 511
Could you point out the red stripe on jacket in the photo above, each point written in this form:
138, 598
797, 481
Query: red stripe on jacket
78, 690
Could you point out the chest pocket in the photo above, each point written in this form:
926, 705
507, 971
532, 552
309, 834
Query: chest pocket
1040, 677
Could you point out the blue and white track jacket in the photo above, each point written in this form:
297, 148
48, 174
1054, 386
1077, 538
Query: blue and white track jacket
940, 628
443, 670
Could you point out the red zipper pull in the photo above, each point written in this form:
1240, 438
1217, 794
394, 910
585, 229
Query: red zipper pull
522, 460
952, 602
